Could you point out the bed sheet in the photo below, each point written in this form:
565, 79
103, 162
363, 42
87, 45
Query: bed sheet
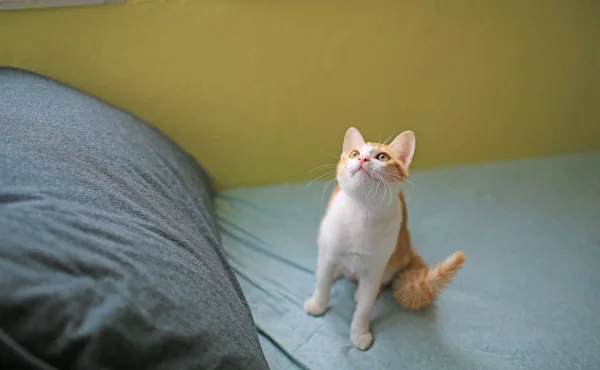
527, 297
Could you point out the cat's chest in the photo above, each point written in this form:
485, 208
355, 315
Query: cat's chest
359, 228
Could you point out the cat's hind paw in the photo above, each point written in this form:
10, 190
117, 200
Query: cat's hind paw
362, 341
313, 307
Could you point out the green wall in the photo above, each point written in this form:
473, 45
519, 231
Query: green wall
262, 91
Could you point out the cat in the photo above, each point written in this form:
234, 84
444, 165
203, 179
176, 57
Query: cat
364, 236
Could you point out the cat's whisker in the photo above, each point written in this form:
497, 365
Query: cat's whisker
321, 176
378, 184
381, 180
368, 191
400, 178
326, 186
381, 177
373, 191
385, 185
323, 166
391, 191
393, 176
373, 185
382, 173
388, 139
405, 179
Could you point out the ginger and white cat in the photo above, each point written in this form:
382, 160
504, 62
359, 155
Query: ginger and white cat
364, 235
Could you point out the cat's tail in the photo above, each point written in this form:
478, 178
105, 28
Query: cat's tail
418, 285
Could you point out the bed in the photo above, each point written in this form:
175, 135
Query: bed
115, 254
527, 297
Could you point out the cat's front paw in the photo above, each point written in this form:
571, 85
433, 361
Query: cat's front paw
362, 341
313, 307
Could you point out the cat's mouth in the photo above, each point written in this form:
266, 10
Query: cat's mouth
362, 170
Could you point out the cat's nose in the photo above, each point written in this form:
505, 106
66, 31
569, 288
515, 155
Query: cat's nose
362, 160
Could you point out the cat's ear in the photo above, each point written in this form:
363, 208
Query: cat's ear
352, 140
403, 147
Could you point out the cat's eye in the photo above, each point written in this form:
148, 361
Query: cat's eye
383, 157
354, 154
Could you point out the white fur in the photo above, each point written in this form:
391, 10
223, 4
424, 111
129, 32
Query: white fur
359, 231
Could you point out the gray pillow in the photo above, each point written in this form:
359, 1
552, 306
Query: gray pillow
110, 256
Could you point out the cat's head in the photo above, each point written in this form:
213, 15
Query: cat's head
370, 169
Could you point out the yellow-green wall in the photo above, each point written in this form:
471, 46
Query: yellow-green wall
261, 91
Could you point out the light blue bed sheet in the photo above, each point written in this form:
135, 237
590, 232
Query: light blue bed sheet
528, 296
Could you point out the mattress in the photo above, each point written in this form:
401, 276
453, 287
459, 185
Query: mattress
527, 297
